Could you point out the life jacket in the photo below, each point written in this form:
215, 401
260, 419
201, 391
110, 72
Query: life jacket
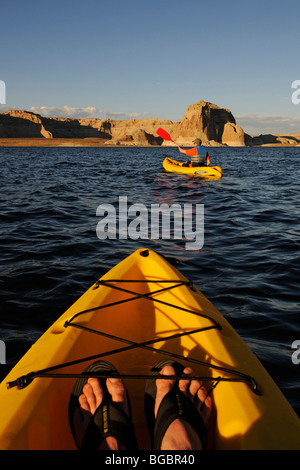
200, 158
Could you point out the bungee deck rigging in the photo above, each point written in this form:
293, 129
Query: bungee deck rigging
49, 372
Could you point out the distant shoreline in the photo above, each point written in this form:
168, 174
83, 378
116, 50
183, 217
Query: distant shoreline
98, 142
54, 142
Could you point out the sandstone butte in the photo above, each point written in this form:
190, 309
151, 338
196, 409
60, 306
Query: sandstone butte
214, 125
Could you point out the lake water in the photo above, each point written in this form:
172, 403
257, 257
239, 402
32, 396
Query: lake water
249, 265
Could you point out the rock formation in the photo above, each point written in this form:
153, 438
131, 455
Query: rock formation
233, 135
23, 124
204, 120
270, 139
137, 131
214, 125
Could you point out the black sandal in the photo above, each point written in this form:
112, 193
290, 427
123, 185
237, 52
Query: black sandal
175, 405
109, 419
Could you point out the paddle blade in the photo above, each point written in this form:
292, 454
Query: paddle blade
163, 134
208, 160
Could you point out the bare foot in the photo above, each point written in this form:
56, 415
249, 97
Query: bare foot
180, 435
91, 399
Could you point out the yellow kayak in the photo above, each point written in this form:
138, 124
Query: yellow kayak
144, 310
205, 171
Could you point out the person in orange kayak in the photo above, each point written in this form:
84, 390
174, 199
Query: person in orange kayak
199, 155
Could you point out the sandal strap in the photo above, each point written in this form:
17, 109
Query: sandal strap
176, 405
109, 420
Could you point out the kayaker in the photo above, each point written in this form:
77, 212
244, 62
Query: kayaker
110, 409
199, 155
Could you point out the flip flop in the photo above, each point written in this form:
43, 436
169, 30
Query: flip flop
175, 405
109, 419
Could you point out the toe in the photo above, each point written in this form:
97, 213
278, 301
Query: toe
163, 386
117, 390
97, 392
185, 384
93, 394
197, 390
89, 396
206, 410
84, 405
202, 394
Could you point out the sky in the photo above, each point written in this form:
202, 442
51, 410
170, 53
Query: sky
126, 59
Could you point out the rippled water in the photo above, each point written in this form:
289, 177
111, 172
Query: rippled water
248, 267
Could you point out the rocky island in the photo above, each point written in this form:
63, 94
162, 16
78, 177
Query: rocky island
215, 125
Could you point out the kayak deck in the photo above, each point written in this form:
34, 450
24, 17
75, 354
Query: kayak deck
204, 171
138, 313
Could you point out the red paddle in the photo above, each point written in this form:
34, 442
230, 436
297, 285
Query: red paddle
164, 135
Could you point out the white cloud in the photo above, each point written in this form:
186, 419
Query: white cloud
119, 115
256, 124
5, 108
137, 115
78, 113
68, 112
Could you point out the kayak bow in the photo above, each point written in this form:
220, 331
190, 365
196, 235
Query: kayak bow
139, 312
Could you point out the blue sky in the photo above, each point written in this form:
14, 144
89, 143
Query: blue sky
147, 59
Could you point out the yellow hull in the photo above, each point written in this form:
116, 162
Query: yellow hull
203, 171
36, 416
